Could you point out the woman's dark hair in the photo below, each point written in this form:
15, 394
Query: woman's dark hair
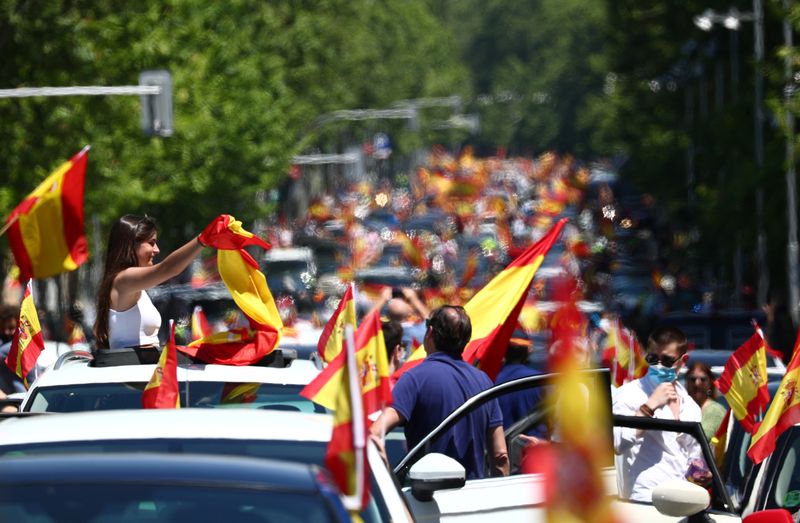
450, 332
705, 369
125, 235
392, 335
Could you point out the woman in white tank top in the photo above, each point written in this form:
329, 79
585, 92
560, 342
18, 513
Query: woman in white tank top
125, 315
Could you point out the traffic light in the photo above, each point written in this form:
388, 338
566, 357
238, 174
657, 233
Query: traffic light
157, 108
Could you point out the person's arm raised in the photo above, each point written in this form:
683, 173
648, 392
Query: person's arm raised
135, 279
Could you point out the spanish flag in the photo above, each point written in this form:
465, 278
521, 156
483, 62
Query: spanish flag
28, 343
572, 471
784, 411
331, 340
372, 368
623, 355
504, 296
744, 381
346, 456
46, 231
200, 326
248, 287
162, 391
227, 233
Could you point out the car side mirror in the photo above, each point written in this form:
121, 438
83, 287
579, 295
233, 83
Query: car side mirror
435, 472
680, 498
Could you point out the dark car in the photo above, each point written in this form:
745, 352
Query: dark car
129, 488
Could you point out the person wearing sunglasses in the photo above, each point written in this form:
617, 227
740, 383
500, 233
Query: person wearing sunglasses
700, 386
646, 458
426, 394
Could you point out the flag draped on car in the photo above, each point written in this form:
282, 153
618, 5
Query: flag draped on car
495, 309
331, 340
162, 391
372, 367
45, 231
743, 382
783, 412
623, 355
28, 343
248, 287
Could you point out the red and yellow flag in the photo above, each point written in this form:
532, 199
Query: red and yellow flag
46, 233
744, 381
372, 367
504, 296
200, 325
783, 412
226, 233
28, 342
346, 456
248, 287
331, 340
162, 391
623, 355
574, 487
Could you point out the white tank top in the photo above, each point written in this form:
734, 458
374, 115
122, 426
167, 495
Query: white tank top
137, 326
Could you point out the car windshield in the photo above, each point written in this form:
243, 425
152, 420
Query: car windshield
208, 394
135, 502
309, 452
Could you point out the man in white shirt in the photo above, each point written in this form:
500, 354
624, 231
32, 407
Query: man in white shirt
647, 458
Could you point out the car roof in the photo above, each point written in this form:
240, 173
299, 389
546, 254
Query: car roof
300, 372
146, 424
157, 468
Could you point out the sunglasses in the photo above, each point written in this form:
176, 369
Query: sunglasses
667, 361
701, 378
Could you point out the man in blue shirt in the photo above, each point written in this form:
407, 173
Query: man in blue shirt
517, 405
426, 394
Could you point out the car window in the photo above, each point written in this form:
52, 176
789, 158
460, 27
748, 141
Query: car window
133, 503
786, 490
209, 394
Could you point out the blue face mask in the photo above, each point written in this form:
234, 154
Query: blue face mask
662, 374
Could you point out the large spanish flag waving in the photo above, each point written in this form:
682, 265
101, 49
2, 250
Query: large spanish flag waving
248, 287
784, 411
372, 368
331, 340
162, 391
28, 342
494, 310
744, 381
46, 230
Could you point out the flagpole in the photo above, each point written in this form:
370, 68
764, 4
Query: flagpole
8, 224
357, 416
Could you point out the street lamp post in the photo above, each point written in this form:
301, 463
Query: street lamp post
732, 21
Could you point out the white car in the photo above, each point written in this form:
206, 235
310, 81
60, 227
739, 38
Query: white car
73, 385
520, 497
287, 436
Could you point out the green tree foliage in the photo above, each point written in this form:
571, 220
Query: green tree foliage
248, 79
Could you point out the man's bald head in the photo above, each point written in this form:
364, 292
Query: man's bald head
398, 309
